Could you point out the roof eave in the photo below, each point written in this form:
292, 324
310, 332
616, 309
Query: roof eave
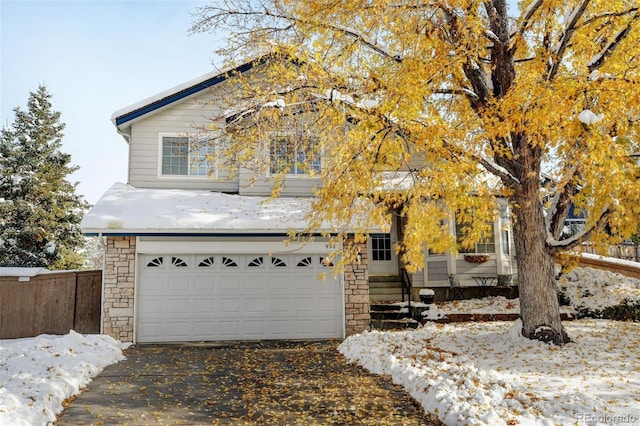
123, 117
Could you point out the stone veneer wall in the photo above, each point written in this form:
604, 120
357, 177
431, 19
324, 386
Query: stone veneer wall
356, 293
118, 282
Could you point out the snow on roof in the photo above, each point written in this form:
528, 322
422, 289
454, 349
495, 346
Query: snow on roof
124, 209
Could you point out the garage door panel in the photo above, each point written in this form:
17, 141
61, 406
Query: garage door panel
204, 305
228, 284
153, 330
327, 326
203, 329
153, 286
281, 306
229, 328
204, 284
211, 299
228, 305
179, 305
255, 283
281, 284
175, 329
178, 284
327, 305
254, 328
257, 305
305, 326
149, 306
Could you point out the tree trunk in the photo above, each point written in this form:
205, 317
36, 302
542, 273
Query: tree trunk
539, 306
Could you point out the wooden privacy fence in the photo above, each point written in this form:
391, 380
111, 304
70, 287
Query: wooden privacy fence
50, 303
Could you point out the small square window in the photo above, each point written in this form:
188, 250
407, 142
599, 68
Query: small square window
381, 247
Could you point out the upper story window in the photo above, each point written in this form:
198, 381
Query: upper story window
186, 156
487, 245
294, 154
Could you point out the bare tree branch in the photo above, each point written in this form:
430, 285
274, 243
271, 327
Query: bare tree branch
557, 53
502, 68
526, 20
463, 91
507, 178
351, 33
608, 15
601, 58
555, 246
560, 206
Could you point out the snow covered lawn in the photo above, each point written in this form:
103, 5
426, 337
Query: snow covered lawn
37, 374
487, 373
487, 305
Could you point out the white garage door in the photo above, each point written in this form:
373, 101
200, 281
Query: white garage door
205, 297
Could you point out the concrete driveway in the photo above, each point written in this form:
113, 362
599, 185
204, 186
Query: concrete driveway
260, 383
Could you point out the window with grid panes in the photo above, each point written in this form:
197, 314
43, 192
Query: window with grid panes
488, 245
294, 154
381, 247
184, 156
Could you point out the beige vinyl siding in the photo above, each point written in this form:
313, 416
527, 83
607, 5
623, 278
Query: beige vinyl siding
466, 271
437, 270
417, 279
179, 118
294, 185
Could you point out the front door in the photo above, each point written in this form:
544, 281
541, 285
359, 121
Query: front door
382, 254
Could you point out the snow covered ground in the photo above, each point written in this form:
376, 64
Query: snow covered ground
487, 305
488, 374
37, 374
465, 373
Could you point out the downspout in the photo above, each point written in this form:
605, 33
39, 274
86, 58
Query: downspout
104, 267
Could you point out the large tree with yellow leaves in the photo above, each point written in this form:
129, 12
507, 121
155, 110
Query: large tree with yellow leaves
423, 106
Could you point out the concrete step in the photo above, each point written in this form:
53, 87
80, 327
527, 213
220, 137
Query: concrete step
390, 315
385, 290
385, 297
386, 316
385, 307
397, 324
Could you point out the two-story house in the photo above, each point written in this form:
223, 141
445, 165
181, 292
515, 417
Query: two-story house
194, 254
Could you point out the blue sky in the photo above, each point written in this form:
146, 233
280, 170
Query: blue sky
97, 57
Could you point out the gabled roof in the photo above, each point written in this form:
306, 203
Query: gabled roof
177, 93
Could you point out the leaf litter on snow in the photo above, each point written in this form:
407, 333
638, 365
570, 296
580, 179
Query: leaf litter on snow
489, 374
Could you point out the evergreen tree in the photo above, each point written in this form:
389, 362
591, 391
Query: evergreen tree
40, 212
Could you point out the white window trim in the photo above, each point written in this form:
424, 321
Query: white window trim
162, 135
316, 175
495, 225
